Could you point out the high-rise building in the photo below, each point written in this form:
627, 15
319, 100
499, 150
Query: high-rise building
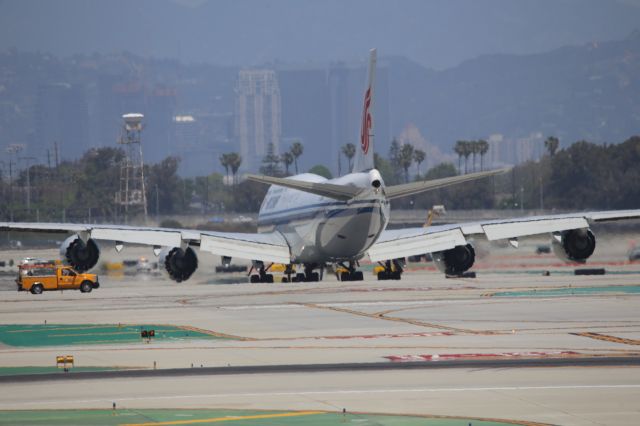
199, 140
160, 106
257, 115
62, 118
305, 114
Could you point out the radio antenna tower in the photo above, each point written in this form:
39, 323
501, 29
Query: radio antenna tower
132, 195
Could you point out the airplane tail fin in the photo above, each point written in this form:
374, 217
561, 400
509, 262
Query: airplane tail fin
364, 153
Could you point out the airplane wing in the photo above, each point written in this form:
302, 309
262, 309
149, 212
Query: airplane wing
397, 243
269, 247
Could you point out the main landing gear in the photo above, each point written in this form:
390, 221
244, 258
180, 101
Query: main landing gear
392, 270
262, 276
350, 274
308, 275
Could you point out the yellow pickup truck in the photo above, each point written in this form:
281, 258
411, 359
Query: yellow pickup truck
39, 277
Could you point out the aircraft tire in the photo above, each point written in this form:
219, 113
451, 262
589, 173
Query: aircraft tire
345, 276
357, 276
255, 278
382, 276
268, 278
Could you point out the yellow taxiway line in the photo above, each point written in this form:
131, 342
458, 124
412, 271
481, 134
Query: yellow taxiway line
228, 419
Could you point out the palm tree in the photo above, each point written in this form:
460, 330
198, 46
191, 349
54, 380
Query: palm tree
466, 151
551, 144
234, 162
271, 162
475, 149
406, 158
296, 150
483, 147
394, 152
459, 150
349, 151
394, 160
224, 160
418, 157
288, 159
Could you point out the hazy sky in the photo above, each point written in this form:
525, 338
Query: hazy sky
436, 33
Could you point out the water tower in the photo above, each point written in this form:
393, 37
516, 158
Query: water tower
132, 195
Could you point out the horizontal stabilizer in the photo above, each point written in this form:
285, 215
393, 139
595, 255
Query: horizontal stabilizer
329, 190
397, 191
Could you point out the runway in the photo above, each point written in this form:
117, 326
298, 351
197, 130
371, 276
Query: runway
566, 396
558, 349
492, 363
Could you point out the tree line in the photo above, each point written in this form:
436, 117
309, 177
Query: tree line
581, 176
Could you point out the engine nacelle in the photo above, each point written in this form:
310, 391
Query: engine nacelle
455, 261
575, 245
178, 263
79, 255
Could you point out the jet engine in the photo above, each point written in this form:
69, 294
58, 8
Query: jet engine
575, 245
80, 255
178, 263
455, 261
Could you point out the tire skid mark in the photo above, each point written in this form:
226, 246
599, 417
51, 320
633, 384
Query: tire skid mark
402, 320
607, 338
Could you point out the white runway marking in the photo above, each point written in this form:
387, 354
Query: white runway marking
326, 392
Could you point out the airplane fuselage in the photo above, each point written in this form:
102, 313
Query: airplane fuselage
320, 229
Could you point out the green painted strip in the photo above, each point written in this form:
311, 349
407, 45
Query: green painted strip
121, 417
571, 291
13, 371
82, 334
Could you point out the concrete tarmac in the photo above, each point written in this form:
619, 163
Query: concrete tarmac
424, 317
560, 396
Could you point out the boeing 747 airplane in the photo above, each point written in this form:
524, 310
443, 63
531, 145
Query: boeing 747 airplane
312, 221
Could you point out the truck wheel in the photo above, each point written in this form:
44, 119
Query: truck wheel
86, 286
37, 289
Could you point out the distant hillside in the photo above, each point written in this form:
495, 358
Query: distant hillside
588, 92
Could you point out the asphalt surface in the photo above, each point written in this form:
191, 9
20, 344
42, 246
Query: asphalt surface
335, 367
513, 343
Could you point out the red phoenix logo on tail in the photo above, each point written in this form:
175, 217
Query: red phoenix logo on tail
366, 122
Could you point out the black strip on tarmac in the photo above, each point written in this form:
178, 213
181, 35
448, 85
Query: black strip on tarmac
320, 368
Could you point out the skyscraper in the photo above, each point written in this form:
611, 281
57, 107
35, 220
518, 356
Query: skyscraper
257, 115
305, 113
62, 117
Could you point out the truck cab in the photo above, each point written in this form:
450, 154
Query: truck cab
37, 278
